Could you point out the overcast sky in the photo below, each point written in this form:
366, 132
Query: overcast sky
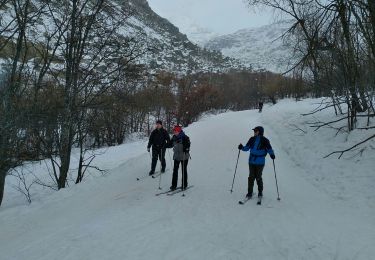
220, 16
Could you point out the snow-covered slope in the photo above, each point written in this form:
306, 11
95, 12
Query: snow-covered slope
163, 46
326, 210
172, 50
196, 33
262, 47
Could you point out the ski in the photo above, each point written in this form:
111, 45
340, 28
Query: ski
246, 199
142, 177
241, 202
163, 192
259, 201
178, 190
157, 173
168, 191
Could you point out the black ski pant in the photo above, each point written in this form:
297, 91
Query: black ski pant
255, 174
184, 165
158, 153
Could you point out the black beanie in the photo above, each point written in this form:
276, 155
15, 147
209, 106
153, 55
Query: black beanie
159, 122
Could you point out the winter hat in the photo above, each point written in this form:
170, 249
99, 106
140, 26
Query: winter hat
159, 122
260, 129
177, 128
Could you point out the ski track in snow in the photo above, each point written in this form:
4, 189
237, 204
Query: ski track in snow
116, 217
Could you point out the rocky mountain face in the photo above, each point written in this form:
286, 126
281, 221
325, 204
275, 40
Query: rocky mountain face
169, 49
172, 50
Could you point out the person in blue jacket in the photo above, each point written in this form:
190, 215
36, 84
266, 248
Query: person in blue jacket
259, 146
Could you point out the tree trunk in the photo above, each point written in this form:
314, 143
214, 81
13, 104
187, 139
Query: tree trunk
80, 167
2, 184
65, 153
371, 5
64, 168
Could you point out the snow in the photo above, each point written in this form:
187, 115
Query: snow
106, 159
262, 47
196, 33
326, 209
2, 65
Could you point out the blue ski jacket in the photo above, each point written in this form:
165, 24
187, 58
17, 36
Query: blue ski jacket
258, 146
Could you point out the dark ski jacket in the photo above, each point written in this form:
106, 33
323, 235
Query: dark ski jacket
181, 146
259, 146
159, 138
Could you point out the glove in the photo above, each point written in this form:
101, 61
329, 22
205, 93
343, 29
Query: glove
240, 147
186, 150
148, 149
272, 156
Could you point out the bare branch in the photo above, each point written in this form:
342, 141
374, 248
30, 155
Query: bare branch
351, 148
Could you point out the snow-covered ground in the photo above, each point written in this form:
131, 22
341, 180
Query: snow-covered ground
326, 210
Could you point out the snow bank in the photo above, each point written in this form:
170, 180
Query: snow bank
350, 178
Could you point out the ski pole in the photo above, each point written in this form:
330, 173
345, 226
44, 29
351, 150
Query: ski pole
183, 177
277, 186
170, 159
163, 154
143, 177
235, 171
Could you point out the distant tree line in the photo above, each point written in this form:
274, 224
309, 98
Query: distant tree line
236, 90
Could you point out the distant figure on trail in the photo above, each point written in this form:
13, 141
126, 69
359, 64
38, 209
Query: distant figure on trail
159, 138
181, 148
259, 146
260, 105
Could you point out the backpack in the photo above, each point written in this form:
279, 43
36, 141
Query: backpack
186, 144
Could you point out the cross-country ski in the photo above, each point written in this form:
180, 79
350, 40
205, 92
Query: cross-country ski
242, 202
179, 190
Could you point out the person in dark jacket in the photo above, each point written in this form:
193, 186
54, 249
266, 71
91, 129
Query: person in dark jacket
159, 138
181, 154
259, 146
260, 106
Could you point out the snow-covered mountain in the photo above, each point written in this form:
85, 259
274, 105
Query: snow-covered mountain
262, 48
166, 48
196, 33
172, 49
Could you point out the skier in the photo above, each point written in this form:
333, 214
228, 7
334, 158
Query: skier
181, 147
260, 106
259, 146
159, 138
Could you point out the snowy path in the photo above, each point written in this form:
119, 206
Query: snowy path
117, 217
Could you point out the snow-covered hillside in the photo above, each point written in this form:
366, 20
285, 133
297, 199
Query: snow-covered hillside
326, 210
171, 49
196, 33
262, 48
163, 46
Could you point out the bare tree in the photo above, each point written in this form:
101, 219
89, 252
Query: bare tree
334, 41
13, 141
